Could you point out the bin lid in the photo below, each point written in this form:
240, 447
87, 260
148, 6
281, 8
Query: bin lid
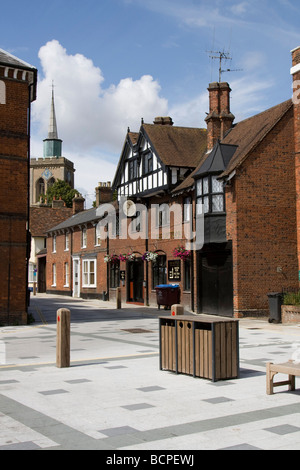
275, 294
167, 286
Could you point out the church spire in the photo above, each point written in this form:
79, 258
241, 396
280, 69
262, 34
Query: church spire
52, 145
52, 132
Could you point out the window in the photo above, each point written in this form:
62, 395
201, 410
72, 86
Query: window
187, 209
163, 215
115, 275
89, 273
98, 234
148, 163
54, 244
210, 193
2, 92
67, 241
53, 274
132, 169
83, 238
159, 268
187, 274
51, 182
31, 273
40, 189
67, 274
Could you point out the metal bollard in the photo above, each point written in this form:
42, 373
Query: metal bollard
63, 318
119, 298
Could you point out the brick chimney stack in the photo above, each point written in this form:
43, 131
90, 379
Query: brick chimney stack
78, 204
103, 193
219, 119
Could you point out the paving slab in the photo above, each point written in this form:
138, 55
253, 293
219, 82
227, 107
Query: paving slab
115, 398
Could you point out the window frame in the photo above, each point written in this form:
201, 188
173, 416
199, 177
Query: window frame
54, 275
67, 241
159, 271
206, 195
147, 163
66, 274
84, 237
86, 274
54, 244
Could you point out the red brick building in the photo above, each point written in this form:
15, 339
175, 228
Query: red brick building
17, 91
240, 179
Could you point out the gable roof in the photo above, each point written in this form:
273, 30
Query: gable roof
249, 133
244, 136
176, 146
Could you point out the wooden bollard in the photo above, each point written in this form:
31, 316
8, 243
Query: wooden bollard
177, 310
119, 298
63, 321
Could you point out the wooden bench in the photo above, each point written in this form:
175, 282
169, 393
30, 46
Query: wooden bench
290, 368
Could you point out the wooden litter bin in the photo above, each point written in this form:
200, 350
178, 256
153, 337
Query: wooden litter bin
204, 346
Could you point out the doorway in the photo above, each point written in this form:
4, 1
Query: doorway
215, 286
135, 276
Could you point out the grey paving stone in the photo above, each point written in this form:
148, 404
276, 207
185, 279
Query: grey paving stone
118, 431
137, 406
53, 392
283, 429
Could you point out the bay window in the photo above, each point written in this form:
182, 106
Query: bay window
210, 193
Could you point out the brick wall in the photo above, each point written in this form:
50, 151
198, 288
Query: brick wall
14, 157
261, 221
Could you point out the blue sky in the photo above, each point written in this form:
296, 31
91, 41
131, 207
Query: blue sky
116, 61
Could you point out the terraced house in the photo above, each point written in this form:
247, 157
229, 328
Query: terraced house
238, 181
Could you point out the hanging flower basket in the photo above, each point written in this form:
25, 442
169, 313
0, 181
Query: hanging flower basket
126, 257
114, 259
181, 253
149, 256
111, 259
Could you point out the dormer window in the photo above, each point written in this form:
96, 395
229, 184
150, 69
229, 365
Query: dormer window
210, 193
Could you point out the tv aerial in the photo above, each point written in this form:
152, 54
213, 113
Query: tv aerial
222, 56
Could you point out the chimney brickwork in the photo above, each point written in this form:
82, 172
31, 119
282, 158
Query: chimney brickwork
219, 119
103, 193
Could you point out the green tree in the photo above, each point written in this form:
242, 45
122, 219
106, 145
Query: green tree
61, 190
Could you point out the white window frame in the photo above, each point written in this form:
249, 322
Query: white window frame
54, 275
67, 241
66, 274
86, 272
83, 237
54, 244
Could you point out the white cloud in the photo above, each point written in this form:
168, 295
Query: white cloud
92, 120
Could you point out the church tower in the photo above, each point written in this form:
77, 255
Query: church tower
45, 171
